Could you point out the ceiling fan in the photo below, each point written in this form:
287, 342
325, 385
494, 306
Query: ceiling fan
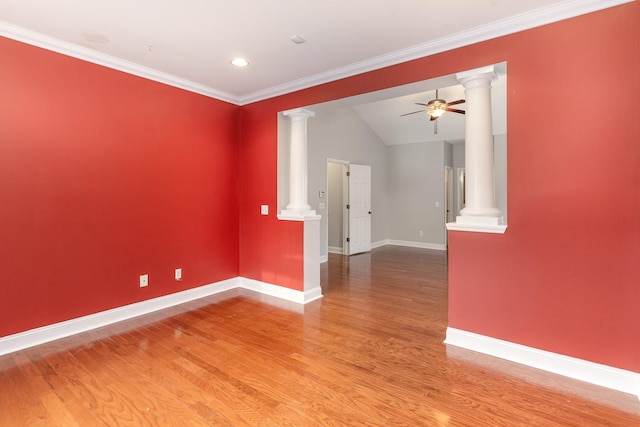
436, 108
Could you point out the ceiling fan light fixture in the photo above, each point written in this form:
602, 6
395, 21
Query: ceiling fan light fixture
437, 112
436, 107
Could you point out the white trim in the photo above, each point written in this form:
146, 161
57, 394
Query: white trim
384, 242
298, 216
324, 258
477, 228
44, 334
281, 292
536, 18
421, 245
594, 373
542, 16
80, 52
343, 162
379, 243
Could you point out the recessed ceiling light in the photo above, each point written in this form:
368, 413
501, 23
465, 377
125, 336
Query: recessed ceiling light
297, 39
239, 62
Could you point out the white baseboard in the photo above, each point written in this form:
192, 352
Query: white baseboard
300, 297
379, 243
590, 372
422, 245
384, 242
324, 258
33, 337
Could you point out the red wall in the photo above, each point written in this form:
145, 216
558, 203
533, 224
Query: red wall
564, 277
105, 176
271, 251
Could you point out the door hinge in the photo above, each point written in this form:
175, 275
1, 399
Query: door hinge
347, 240
348, 173
348, 207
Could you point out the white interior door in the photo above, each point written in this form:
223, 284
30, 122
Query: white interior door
359, 208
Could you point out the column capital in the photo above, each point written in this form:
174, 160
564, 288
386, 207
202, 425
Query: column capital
484, 73
299, 112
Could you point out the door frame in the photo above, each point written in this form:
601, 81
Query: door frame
449, 203
345, 200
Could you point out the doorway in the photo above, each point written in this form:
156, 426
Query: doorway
349, 207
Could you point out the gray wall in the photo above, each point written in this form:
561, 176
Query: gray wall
342, 135
416, 186
284, 146
458, 163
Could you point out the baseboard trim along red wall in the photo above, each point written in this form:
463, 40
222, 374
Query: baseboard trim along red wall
571, 367
288, 298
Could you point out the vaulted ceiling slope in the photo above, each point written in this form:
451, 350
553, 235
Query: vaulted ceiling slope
190, 44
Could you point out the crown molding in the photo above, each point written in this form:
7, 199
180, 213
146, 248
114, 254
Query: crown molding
80, 52
536, 18
546, 15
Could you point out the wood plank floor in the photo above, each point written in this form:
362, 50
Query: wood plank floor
369, 353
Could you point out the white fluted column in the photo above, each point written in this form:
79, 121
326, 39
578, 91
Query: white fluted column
298, 205
480, 205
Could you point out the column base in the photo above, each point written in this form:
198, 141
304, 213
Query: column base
480, 212
478, 224
481, 220
298, 215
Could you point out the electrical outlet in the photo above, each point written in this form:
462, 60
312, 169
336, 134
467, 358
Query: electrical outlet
144, 280
264, 209
178, 274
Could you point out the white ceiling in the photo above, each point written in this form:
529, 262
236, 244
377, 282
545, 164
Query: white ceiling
189, 43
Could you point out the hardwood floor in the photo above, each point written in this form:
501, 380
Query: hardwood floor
369, 353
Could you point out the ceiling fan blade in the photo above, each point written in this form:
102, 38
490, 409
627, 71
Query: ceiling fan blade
459, 101
420, 103
419, 111
455, 110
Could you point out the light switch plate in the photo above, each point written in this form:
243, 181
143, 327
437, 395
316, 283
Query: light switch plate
264, 209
